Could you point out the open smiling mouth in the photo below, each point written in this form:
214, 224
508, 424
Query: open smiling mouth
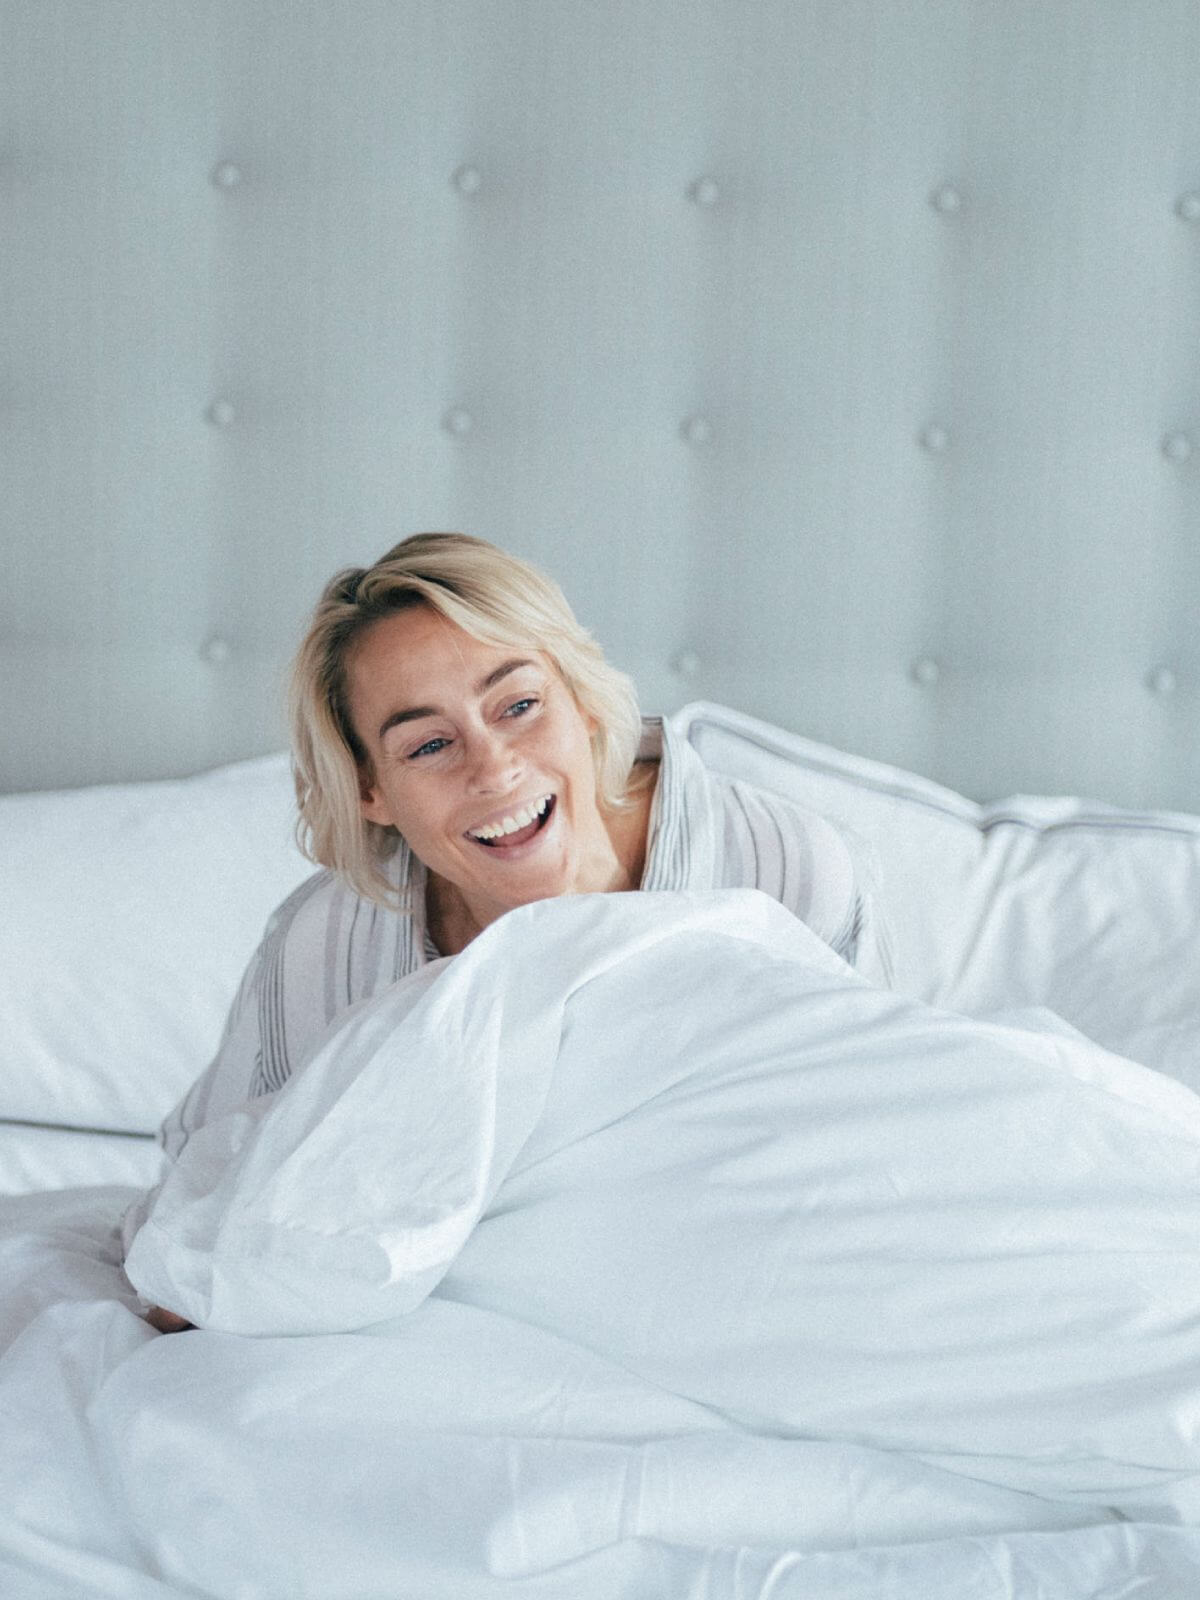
515, 830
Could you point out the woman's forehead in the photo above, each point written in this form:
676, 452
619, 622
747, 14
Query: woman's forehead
420, 646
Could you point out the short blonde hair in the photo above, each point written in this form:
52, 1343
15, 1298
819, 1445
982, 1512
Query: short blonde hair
489, 594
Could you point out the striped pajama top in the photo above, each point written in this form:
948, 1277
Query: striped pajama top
326, 948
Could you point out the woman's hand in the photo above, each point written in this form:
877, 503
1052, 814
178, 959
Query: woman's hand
166, 1321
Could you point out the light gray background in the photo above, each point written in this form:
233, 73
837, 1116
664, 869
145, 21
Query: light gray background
839, 359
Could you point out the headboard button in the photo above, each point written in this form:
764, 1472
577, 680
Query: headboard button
1188, 206
226, 175
222, 413
934, 438
215, 650
1162, 681
685, 664
458, 421
1177, 446
468, 180
925, 672
697, 430
704, 192
946, 199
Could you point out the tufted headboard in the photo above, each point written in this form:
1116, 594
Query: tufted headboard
841, 360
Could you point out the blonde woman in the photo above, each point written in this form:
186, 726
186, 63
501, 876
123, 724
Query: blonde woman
461, 747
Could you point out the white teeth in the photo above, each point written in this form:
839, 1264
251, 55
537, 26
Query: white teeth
519, 819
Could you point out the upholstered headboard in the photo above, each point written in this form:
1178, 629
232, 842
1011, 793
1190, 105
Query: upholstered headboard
840, 360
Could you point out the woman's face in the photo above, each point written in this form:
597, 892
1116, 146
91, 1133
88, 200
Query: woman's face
482, 760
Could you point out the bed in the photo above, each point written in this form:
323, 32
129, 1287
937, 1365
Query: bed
933, 1376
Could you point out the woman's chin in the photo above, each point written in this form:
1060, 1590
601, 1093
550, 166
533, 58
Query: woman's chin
523, 869
524, 888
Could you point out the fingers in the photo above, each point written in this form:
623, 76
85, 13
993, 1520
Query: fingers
166, 1321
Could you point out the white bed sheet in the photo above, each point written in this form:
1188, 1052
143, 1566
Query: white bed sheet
282, 1469
759, 1283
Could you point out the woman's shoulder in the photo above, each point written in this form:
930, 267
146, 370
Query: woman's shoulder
740, 802
308, 903
320, 901
772, 842
826, 874
326, 947
747, 808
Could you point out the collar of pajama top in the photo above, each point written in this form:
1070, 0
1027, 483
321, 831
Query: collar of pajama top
681, 850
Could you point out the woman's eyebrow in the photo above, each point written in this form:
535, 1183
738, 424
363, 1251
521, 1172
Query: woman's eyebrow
412, 713
502, 671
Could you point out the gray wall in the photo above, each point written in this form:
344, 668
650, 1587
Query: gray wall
840, 360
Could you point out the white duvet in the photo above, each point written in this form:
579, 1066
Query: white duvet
642, 1250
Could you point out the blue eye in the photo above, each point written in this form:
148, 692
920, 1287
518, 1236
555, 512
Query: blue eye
520, 707
430, 747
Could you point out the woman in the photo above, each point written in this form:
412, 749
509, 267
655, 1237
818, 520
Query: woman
461, 747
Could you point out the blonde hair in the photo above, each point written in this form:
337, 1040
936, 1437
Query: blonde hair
491, 595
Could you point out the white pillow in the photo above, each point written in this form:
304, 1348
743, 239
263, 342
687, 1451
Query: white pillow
33, 1159
130, 912
1086, 909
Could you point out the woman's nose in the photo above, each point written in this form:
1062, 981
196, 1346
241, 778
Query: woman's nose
493, 765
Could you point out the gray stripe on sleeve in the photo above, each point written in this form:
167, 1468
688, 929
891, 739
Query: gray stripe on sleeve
348, 962
781, 841
846, 943
273, 1068
745, 870
329, 964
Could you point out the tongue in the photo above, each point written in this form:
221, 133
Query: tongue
507, 841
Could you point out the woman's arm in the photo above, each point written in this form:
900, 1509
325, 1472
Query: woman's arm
226, 1080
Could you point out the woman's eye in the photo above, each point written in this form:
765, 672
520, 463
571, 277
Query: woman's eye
429, 748
520, 707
